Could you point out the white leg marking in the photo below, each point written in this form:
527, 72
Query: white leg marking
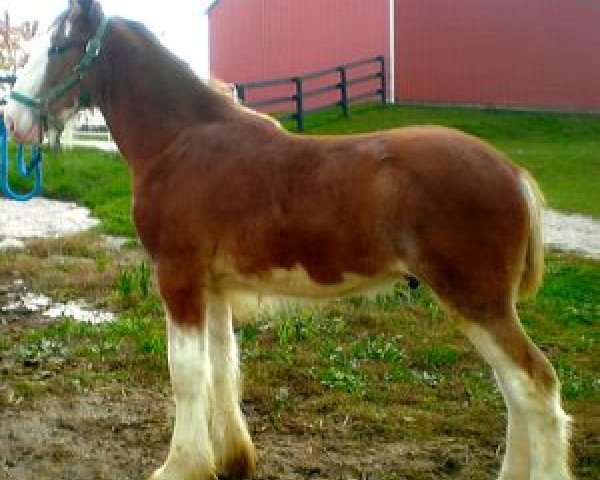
231, 440
548, 427
532, 410
191, 455
516, 464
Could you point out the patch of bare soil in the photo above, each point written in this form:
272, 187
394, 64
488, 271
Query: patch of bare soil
112, 435
84, 436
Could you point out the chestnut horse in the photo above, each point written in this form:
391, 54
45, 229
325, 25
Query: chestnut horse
227, 202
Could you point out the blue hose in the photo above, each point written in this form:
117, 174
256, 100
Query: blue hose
25, 169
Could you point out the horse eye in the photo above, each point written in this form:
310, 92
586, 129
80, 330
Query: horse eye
57, 49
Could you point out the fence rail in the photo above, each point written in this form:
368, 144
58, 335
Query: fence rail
300, 93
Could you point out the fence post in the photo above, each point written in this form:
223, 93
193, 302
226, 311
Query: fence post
343, 89
299, 104
241, 92
381, 60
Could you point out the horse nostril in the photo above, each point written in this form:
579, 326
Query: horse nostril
11, 125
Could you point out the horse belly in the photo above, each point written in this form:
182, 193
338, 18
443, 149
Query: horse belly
297, 283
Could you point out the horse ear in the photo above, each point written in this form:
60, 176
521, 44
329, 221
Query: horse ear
85, 8
85, 5
80, 6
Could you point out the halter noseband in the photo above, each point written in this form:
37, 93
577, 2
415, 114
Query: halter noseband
42, 104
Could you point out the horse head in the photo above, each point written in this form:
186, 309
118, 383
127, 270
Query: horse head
54, 84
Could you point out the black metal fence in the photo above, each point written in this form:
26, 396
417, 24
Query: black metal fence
343, 81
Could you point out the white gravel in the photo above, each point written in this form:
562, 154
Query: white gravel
41, 218
573, 233
77, 310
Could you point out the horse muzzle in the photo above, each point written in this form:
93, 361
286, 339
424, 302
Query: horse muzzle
23, 127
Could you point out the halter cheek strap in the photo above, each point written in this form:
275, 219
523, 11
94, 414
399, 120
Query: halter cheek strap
42, 104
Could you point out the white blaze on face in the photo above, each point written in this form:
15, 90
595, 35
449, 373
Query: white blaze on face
22, 120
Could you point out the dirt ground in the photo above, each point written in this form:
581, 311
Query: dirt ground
107, 435
121, 431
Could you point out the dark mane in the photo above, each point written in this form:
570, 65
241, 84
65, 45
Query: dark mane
177, 67
138, 26
174, 61
58, 20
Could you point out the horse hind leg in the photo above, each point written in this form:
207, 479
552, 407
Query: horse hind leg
538, 428
235, 456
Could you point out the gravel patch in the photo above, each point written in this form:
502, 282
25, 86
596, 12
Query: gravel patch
573, 233
79, 310
41, 218
76, 310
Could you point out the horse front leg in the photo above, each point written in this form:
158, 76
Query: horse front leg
191, 453
235, 456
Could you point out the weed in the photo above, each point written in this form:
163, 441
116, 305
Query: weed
41, 350
134, 293
28, 389
155, 345
333, 353
438, 356
349, 381
399, 373
398, 296
102, 261
576, 384
377, 348
248, 334
479, 386
134, 280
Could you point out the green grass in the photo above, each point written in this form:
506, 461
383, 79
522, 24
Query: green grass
561, 150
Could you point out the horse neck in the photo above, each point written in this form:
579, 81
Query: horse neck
148, 96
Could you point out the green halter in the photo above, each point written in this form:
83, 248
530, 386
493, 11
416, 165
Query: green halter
42, 104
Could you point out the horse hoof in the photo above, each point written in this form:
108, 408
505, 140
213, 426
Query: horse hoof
241, 465
167, 473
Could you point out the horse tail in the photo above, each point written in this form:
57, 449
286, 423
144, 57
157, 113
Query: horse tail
533, 268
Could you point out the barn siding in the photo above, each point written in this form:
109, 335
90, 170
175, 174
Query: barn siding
519, 53
253, 40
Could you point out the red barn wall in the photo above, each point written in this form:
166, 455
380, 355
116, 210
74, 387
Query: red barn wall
518, 53
253, 40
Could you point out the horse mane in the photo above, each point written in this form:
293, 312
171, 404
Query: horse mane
143, 31
179, 68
